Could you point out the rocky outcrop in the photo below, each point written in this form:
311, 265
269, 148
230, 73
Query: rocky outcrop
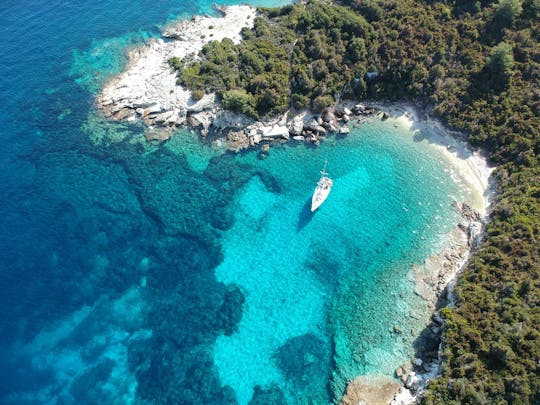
380, 390
241, 132
147, 90
440, 270
434, 282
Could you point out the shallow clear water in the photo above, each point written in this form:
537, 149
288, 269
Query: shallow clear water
177, 272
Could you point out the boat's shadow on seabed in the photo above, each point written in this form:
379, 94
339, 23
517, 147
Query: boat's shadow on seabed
305, 216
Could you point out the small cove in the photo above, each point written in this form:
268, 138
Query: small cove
340, 273
125, 284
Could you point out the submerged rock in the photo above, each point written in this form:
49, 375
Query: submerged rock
374, 390
304, 360
272, 395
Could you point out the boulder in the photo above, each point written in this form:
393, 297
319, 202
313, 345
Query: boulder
346, 117
123, 114
206, 103
399, 372
144, 104
227, 119
153, 109
411, 380
417, 362
359, 108
237, 140
315, 127
344, 130
299, 138
275, 131
437, 318
200, 121
165, 118
296, 126
255, 137
321, 130
328, 116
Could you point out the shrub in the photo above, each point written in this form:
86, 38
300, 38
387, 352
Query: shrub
197, 94
322, 102
239, 100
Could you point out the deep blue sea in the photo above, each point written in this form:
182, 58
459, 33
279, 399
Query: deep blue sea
177, 273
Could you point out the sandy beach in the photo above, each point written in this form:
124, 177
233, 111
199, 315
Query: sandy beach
469, 167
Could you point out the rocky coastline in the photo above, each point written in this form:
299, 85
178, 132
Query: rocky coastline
434, 280
147, 91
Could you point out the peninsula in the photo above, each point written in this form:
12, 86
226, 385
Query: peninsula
473, 66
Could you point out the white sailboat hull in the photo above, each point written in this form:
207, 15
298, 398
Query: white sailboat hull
321, 192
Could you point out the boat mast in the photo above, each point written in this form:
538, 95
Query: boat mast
323, 171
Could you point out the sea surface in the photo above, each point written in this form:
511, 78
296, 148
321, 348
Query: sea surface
178, 273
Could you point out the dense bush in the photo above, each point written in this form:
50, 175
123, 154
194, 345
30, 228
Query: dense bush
476, 65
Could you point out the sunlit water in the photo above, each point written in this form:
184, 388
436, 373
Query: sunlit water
181, 273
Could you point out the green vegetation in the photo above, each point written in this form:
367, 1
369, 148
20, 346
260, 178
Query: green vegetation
252, 77
476, 65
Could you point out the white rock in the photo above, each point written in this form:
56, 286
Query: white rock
359, 107
417, 362
412, 379
344, 130
257, 138
296, 126
276, 131
227, 119
150, 83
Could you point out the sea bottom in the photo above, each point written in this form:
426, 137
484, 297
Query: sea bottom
184, 274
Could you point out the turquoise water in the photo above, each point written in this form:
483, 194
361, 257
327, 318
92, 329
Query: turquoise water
338, 275
180, 273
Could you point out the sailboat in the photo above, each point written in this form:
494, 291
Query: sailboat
324, 185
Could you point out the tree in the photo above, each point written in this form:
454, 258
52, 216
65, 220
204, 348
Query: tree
502, 59
239, 101
357, 50
507, 12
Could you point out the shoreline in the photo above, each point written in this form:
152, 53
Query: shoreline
147, 91
470, 165
435, 277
